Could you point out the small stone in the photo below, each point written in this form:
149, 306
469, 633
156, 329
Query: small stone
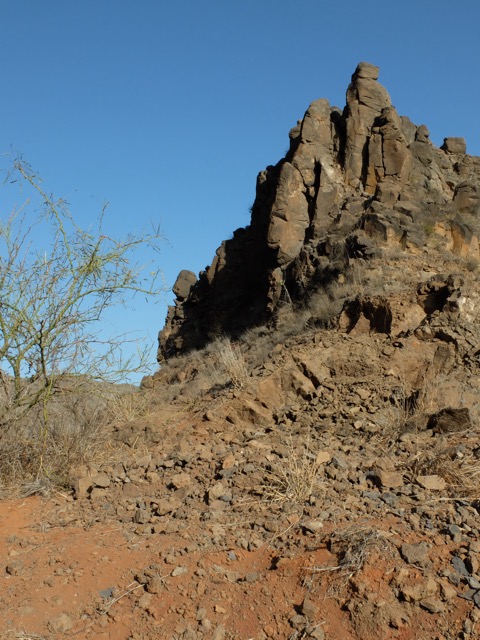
216, 505
178, 571
145, 600
415, 553
432, 483
215, 492
180, 480
82, 486
252, 577
314, 526
269, 630
142, 516
206, 625
339, 462
432, 605
455, 532
14, 568
298, 621
308, 609
218, 609
101, 480
421, 591
219, 633
322, 457
165, 506
154, 585
97, 493
388, 479
144, 462
60, 624
459, 566
473, 582
201, 613
448, 592
229, 461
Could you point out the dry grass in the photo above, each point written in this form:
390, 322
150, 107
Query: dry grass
293, 480
455, 459
36, 456
229, 361
127, 406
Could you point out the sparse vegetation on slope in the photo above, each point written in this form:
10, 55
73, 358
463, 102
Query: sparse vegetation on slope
56, 283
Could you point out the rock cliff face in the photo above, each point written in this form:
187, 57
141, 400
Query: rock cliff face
354, 184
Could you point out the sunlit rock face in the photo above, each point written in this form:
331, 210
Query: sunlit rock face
354, 185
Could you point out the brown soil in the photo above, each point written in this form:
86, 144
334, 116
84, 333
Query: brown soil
111, 565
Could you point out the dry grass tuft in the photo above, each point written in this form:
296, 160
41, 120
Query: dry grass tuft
455, 458
128, 406
294, 479
230, 361
354, 545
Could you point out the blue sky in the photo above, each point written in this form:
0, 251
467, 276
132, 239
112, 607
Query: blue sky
168, 110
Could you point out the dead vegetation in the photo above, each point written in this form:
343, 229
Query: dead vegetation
352, 546
294, 479
228, 363
455, 458
37, 459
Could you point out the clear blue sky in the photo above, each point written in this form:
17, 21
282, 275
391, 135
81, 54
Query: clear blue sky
168, 110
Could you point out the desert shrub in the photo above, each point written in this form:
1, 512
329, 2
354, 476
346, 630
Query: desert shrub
57, 280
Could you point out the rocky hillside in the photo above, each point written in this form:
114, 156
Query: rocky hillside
355, 185
306, 461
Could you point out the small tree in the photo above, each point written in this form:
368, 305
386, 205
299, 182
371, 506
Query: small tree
52, 301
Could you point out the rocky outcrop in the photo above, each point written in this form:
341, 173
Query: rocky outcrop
354, 184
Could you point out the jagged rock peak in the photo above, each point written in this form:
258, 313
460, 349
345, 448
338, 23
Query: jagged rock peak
352, 183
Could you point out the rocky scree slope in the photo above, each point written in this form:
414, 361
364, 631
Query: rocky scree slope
331, 490
354, 302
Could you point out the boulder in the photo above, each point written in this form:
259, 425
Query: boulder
454, 145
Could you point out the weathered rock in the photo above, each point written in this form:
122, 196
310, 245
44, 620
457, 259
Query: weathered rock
367, 171
184, 282
454, 145
289, 216
388, 479
60, 624
420, 591
433, 483
416, 554
450, 420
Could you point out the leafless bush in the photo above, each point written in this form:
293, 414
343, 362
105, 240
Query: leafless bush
127, 406
37, 460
